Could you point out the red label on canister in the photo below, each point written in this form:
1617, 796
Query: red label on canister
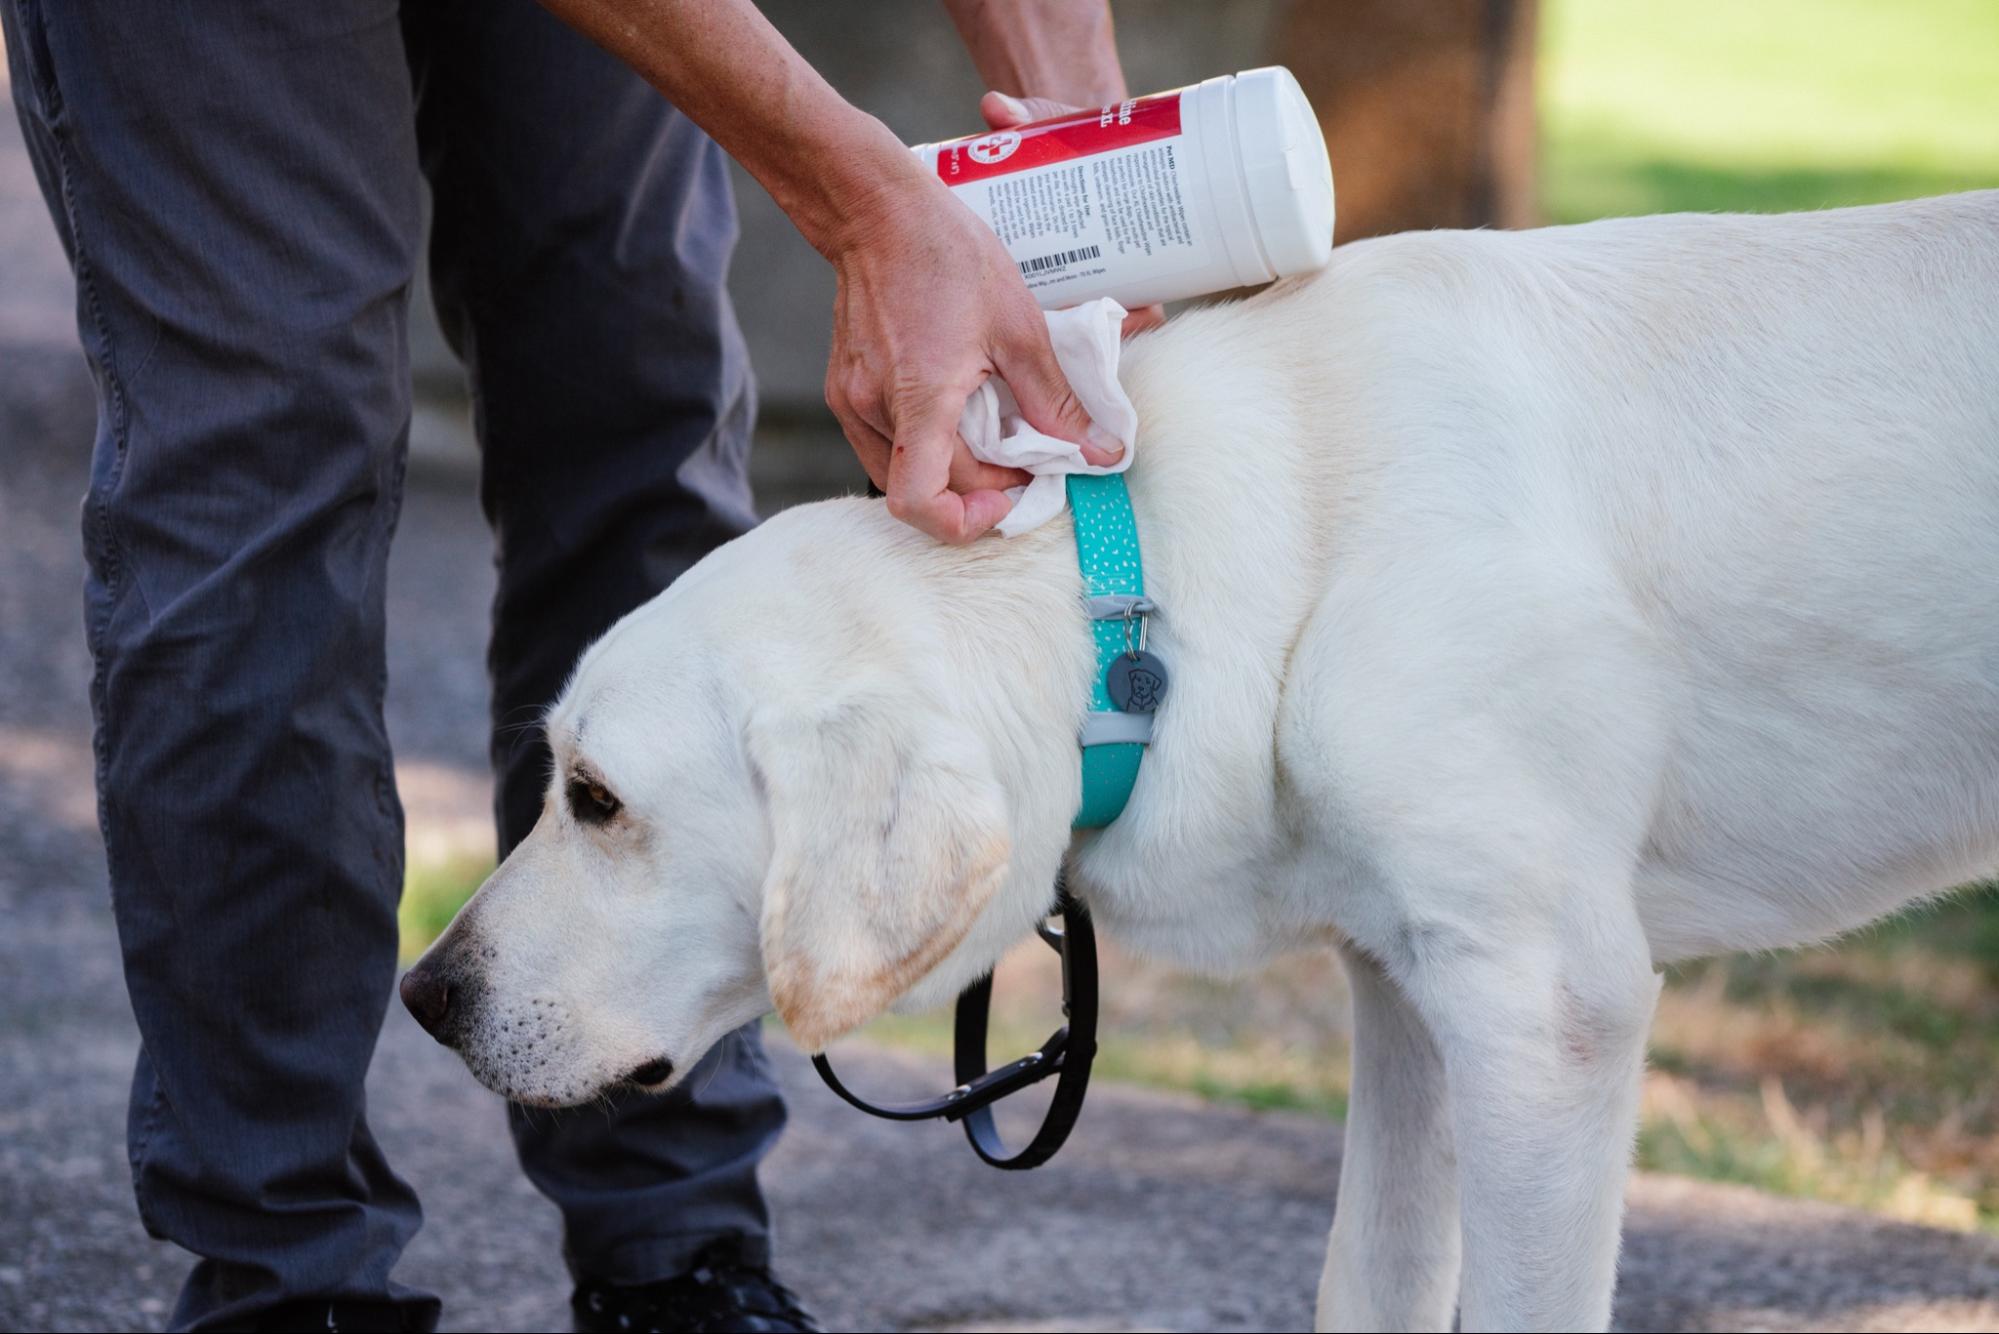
1118, 125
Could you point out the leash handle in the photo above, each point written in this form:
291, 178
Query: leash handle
1067, 1055
1076, 1044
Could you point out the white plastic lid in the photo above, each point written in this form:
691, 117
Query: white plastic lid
1288, 177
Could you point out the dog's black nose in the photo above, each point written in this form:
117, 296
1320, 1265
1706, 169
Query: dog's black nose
428, 997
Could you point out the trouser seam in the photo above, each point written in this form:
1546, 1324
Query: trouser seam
385, 781
111, 557
141, 1152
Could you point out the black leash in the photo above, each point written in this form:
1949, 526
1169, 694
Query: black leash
1066, 1055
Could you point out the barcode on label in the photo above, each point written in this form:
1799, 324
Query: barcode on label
1059, 259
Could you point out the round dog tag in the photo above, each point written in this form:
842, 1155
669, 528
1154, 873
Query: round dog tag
1136, 682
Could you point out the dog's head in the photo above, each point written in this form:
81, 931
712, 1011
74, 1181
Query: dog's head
750, 806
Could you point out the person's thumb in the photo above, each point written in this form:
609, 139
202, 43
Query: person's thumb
1003, 112
1027, 364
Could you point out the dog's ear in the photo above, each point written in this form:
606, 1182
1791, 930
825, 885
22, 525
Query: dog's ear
889, 836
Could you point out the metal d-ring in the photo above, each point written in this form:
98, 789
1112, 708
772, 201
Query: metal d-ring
1132, 613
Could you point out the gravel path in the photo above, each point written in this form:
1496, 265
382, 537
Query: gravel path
1164, 1213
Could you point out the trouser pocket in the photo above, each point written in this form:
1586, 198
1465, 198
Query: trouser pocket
29, 36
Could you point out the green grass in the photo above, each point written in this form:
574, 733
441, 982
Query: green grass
433, 891
1765, 105
1860, 1073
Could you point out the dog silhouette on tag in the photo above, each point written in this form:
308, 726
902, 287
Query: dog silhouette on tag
1136, 682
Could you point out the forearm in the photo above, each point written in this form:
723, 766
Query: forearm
1062, 50
826, 163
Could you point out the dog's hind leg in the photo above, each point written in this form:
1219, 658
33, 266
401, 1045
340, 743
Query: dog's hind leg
1392, 1263
1543, 1047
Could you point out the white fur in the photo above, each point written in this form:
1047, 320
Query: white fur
1541, 608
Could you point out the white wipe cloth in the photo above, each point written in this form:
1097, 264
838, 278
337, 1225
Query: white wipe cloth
1086, 346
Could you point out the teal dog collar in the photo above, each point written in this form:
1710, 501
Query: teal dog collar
1130, 681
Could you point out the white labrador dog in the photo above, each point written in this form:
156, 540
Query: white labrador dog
1542, 608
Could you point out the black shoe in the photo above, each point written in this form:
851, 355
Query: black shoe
721, 1293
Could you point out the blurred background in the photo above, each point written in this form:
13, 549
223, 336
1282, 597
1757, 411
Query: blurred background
1862, 1072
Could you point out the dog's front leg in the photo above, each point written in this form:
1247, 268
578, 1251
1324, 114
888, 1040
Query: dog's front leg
1543, 1044
1392, 1263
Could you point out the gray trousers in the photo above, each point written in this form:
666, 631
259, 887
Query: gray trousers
238, 189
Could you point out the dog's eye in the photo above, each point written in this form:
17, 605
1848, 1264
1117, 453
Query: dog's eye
591, 802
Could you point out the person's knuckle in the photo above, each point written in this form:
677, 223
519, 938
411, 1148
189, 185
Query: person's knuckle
1031, 354
1054, 396
914, 382
864, 394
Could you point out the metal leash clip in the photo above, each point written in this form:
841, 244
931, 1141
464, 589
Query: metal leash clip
1066, 1055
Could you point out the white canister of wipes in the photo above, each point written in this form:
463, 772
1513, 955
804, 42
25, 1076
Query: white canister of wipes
1223, 184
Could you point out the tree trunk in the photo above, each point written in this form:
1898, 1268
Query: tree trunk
1427, 107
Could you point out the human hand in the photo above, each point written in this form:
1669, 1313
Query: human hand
929, 305
1004, 113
